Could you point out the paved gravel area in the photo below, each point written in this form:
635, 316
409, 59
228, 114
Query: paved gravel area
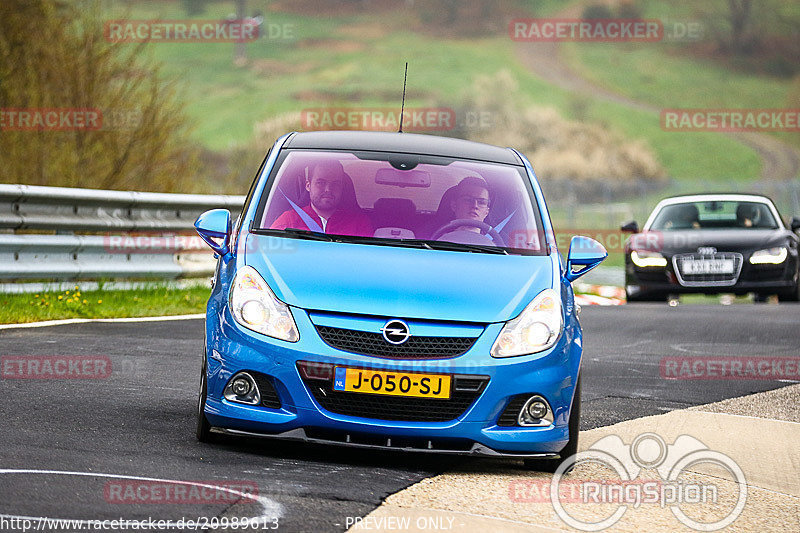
778, 404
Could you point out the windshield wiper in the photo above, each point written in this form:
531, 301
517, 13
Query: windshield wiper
383, 241
296, 233
461, 247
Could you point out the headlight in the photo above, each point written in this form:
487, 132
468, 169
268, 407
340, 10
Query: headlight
644, 259
773, 256
255, 307
537, 327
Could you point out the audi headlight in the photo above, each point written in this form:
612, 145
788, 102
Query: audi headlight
536, 329
772, 256
644, 259
255, 307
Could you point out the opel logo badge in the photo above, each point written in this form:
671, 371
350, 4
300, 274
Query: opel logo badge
395, 332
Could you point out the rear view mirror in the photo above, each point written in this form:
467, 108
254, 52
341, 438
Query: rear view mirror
583, 252
214, 228
630, 227
403, 178
795, 223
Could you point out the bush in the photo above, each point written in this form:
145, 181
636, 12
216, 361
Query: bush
67, 64
597, 11
629, 10
558, 148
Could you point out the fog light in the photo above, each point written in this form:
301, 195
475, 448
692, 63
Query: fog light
242, 388
537, 409
535, 412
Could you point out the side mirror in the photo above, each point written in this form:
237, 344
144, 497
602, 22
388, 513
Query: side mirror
795, 223
583, 252
213, 225
630, 227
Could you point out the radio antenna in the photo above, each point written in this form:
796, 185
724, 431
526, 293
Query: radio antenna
403, 104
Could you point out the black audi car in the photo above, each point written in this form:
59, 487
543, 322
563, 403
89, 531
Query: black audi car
712, 243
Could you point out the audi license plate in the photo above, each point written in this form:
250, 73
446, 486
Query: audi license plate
707, 266
391, 383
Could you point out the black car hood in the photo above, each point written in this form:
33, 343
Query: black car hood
724, 240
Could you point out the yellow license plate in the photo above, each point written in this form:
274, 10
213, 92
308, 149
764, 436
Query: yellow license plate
391, 383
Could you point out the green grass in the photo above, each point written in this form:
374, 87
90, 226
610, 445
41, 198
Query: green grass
333, 61
155, 300
668, 75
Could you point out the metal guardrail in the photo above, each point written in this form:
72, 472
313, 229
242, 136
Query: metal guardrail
137, 235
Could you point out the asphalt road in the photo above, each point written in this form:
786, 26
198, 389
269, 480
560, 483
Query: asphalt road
139, 420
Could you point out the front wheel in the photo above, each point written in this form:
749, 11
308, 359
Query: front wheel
551, 465
651, 297
203, 430
792, 295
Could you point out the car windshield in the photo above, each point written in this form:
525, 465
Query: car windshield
714, 214
401, 200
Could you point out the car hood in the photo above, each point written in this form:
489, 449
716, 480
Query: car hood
734, 240
396, 281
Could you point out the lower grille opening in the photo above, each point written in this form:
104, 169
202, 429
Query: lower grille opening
511, 412
269, 396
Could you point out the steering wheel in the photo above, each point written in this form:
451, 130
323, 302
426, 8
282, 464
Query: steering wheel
483, 226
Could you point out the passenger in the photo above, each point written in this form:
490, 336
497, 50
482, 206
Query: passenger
326, 184
747, 215
685, 216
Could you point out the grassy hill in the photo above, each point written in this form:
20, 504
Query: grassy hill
357, 60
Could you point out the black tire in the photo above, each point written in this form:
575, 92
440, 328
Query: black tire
551, 465
203, 431
792, 295
644, 298
760, 298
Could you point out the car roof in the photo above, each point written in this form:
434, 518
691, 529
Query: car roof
716, 196
410, 143
710, 197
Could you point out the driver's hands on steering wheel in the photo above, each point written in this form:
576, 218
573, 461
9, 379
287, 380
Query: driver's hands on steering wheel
455, 225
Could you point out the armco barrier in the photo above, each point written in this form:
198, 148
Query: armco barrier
137, 235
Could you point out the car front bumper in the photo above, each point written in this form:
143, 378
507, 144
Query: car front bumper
551, 374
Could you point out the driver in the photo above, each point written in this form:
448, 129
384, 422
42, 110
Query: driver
747, 215
471, 202
326, 213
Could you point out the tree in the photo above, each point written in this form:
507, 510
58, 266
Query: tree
53, 55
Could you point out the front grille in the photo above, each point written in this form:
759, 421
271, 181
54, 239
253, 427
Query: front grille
399, 408
269, 396
511, 413
707, 280
368, 343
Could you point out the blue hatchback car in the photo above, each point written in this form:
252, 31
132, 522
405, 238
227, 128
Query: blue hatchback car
394, 291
